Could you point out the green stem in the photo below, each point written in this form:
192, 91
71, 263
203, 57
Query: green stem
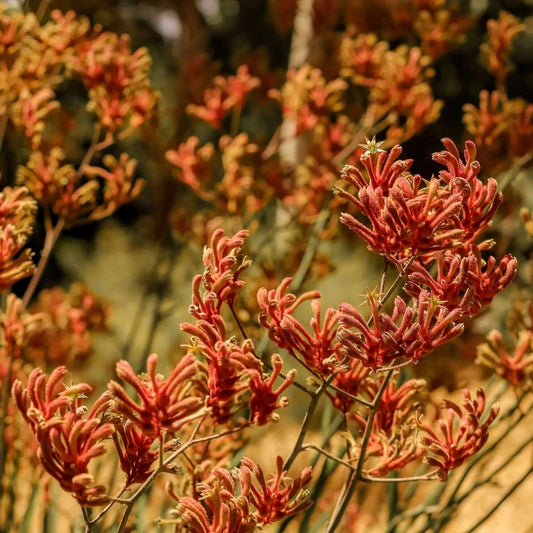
351, 483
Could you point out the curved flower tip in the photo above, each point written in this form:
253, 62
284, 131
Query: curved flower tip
455, 443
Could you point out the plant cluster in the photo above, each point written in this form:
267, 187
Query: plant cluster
249, 348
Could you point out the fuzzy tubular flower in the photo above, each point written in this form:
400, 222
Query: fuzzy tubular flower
69, 435
407, 334
465, 282
265, 399
166, 405
319, 350
456, 444
241, 501
134, 452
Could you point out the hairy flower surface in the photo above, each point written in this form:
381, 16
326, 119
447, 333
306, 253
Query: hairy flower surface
239, 502
454, 444
69, 435
265, 398
319, 350
465, 282
166, 405
232, 367
406, 335
134, 450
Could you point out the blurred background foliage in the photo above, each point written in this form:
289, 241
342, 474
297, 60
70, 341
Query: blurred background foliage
141, 260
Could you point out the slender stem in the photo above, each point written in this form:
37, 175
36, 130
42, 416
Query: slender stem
307, 421
351, 483
310, 251
430, 476
4, 402
94, 147
160, 293
49, 242
412, 513
86, 519
237, 321
351, 396
328, 455
235, 121
114, 500
41, 10
161, 451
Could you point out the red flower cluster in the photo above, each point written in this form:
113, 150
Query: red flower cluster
410, 216
229, 507
465, 282
134, 450
232, 367
406, 335
435, 221
166, 405
69, 435
319, 351
457, 443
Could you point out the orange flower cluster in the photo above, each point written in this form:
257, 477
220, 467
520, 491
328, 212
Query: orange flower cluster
66, 323
227, 94
515, 368
495, 52
247, 180
440, 25
501, 127
397, 81
36, 59
69, 434
17, 212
